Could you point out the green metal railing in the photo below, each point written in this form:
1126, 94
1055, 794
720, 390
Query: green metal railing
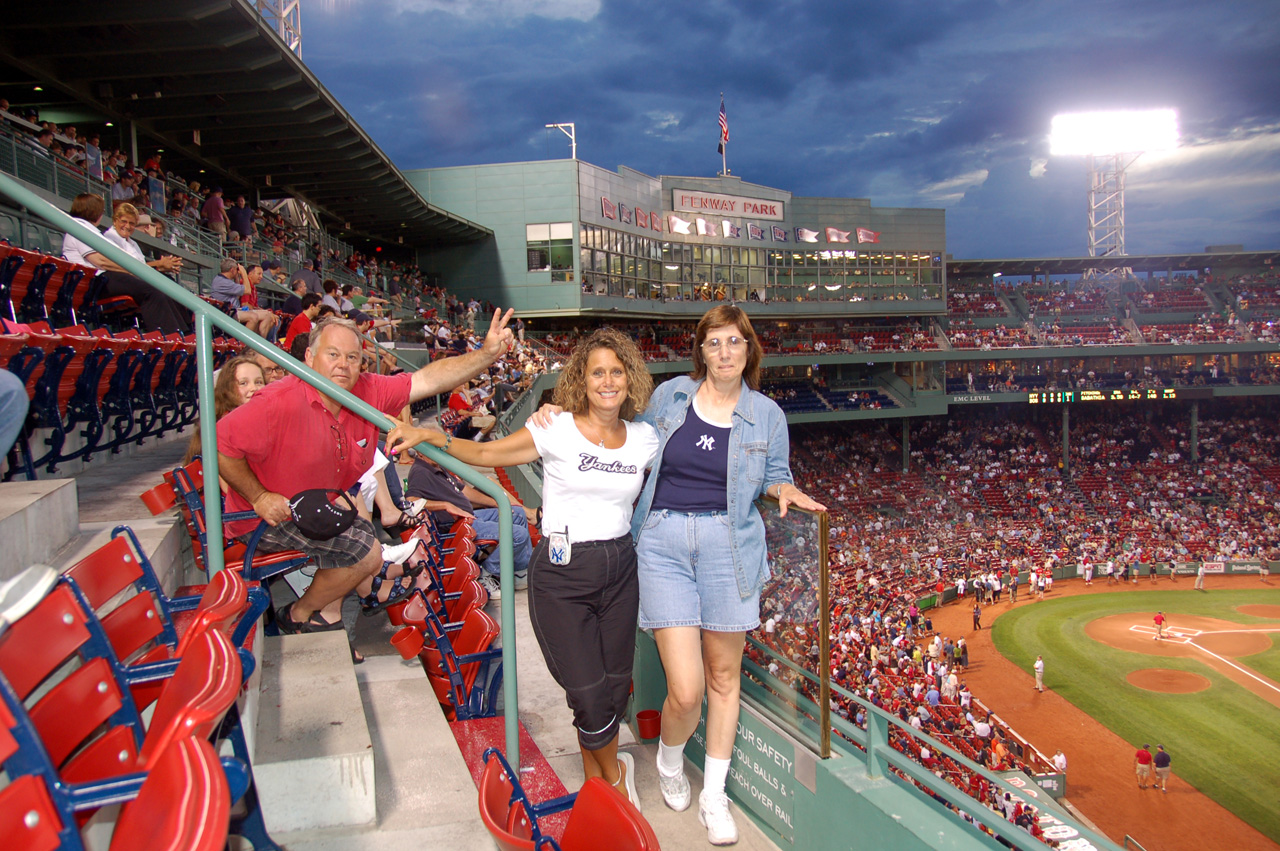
207, 319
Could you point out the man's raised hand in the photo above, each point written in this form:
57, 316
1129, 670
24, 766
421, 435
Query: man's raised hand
499, 340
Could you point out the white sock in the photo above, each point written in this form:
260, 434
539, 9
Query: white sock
714, 773
670, 759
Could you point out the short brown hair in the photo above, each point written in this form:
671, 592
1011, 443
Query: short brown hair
87, 206
571, 388
718, 317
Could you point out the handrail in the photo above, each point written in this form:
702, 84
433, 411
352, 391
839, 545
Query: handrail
206, 319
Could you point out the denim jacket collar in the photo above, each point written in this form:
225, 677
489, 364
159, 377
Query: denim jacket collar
745, 408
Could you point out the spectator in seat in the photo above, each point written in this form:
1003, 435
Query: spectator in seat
330, 297
308, 273
295, 339
293, 304
238, 380
479, 421
294, 438
232, 287
157, 311
449, 497
124, 188
240, 217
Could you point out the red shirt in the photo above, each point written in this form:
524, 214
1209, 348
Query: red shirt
1143, 756
292, 443
300, 325
1158, 620
459, 402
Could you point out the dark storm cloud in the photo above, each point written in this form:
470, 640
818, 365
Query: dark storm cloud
911, 104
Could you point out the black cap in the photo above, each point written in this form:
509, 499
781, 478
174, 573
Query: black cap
316, 515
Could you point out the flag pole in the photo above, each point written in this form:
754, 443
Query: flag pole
724, 139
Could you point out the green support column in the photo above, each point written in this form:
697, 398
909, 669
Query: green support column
1066, 439
906, 445
1195, 432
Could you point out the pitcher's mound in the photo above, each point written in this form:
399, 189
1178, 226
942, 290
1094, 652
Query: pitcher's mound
1259, 611
1167, 681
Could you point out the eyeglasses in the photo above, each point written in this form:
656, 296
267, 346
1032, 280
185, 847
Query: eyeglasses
341, 438
715, 343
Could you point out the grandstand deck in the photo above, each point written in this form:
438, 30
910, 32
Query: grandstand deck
424, 787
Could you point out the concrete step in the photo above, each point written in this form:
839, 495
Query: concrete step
37, 519
425, 796
163, 539
314, 755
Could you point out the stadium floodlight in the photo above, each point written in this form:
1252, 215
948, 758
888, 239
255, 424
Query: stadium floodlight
1119, 132
1111, 142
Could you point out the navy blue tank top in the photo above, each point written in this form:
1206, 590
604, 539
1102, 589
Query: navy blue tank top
695, 467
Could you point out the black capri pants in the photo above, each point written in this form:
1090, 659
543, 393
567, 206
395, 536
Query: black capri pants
584, 616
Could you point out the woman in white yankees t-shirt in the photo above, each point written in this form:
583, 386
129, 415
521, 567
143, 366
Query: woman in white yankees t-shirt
583, 592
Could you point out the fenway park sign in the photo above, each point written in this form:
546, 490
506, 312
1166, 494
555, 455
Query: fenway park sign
692, 201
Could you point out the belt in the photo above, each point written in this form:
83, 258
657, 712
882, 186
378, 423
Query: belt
583, 545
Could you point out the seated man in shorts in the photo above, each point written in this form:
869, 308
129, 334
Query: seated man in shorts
293, 438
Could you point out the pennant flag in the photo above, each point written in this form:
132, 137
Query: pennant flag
837, 235
806, 235
704, 229
779, 234
731, 231
624, 214
868, 235
642, 218
755, 232
655, 221
609, 211
724, 127
679, 225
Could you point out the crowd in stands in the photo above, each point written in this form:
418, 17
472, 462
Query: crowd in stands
986, 339
1065, 302
974, 303
986, 496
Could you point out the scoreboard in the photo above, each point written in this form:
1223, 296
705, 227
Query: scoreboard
1050, 397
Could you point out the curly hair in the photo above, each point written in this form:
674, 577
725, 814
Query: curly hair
571, 389
226, 398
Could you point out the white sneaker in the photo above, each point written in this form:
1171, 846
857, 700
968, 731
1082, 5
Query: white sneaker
675, 791
491, 585
714, 815
522, 581
628, 763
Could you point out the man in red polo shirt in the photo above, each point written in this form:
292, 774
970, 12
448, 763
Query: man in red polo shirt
1142, 765
294, 438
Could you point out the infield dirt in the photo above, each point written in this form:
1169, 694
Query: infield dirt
1100, 778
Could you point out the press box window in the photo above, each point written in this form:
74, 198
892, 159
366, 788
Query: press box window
550, 247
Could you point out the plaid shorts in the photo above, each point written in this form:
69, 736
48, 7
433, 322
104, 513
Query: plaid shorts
343, 551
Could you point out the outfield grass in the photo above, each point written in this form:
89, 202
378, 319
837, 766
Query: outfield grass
1223, 741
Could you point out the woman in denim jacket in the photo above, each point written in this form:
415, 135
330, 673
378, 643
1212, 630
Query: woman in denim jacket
701, 545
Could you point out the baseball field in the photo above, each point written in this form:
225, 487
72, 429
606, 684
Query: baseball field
1208, 690
1101, 654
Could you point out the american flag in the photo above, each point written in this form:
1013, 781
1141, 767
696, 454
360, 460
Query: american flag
779, 234
724, 127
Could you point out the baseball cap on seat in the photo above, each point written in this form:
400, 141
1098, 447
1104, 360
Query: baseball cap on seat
316, 515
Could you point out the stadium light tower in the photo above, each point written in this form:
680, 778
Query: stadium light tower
1111, 142
285, 19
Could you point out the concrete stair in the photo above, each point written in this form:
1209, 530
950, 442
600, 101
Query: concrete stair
37, 519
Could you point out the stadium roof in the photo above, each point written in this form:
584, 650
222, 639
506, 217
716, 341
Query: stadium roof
1140, 264
212, 84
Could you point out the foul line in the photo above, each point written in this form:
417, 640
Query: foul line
1176, 635
1242, 670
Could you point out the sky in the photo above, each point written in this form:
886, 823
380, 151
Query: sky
910, 103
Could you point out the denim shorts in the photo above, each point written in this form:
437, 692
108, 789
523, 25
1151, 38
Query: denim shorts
687, 576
